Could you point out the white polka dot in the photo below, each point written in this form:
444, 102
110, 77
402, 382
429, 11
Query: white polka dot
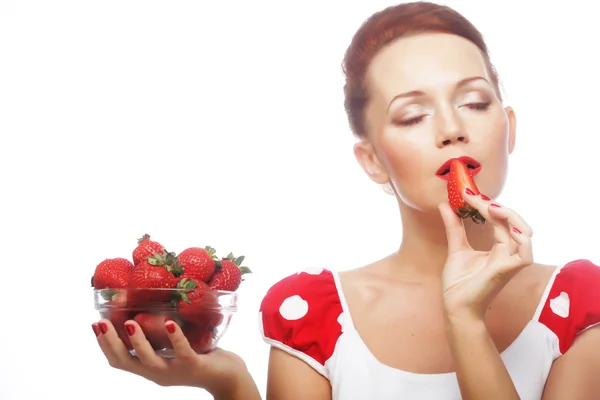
560, 305
261, 328
341, 320
293, 308
312, 271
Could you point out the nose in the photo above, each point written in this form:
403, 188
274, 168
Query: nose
450, 130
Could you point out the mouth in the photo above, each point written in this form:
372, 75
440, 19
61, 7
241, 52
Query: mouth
444, 171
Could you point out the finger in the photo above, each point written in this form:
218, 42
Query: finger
113, 348
524, 255
511, 217
455, 230
96, 329
143, 349
501, 228
180, 343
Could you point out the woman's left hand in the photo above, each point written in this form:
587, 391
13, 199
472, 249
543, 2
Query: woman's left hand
471, 279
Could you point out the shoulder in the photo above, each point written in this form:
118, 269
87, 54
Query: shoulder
300, 315
571, 302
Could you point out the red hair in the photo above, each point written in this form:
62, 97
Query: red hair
388, 25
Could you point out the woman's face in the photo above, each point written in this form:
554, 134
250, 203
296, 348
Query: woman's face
431, 99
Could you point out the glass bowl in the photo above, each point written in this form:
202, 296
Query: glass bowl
203, 315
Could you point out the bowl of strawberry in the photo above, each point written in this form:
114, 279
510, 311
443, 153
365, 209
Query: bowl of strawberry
194, 288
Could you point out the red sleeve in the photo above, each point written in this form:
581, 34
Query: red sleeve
299, 315
573, 302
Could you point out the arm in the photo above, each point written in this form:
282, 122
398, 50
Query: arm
299, 321
244, 389
480, 371
292, 379
576, 374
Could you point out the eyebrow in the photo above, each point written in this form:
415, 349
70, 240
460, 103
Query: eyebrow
416, 93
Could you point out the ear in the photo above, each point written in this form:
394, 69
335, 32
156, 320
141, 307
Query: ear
512, 128
366, 157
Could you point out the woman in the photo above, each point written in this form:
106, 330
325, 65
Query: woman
460, 310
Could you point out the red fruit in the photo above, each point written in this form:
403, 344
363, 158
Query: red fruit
153, 326
198, 264
112, 273
146, 248
199, 304
155, 273
228, 274
460, 179
200, 340
116, 312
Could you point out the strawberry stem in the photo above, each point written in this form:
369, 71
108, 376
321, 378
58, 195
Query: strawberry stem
188, 285
145, 237
238, 261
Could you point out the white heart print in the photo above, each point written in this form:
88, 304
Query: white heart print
560, 305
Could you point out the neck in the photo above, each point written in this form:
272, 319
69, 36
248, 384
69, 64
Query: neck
424, 246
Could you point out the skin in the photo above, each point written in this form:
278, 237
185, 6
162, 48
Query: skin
462, 290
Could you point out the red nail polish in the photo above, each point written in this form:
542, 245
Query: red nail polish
171, 327
130, 329
103, 327
469, 192
96, 329
495, 205
483, 196
516, 230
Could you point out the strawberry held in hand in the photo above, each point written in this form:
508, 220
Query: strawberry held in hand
112, 273
116, 311
147, 248
153, 273
201, 340
153, 326
199, 304
228, 275
198, 263
460, 179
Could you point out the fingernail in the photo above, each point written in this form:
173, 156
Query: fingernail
469, 192
130, 329
495, 205
483, 196
171, 327
96, 329
516, 230
103, 327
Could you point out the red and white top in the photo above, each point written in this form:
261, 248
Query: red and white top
306, 315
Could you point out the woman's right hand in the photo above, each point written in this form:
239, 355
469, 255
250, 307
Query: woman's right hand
221, 373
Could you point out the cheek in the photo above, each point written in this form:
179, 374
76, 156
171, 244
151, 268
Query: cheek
493, 178
406, 163
403, 160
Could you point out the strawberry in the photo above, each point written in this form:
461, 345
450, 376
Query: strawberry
198, 304
198, 263
112, 273
229, 274
116, 312
146, 248
153, 326
201, 340
153, 273
460, 179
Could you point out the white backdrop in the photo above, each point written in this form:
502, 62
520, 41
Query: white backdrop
222, 123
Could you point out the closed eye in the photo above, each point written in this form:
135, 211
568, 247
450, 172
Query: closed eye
412, 121
479, 106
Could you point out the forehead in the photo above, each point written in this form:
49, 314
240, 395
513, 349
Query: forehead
424, 62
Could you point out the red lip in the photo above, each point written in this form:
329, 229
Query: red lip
474, 167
